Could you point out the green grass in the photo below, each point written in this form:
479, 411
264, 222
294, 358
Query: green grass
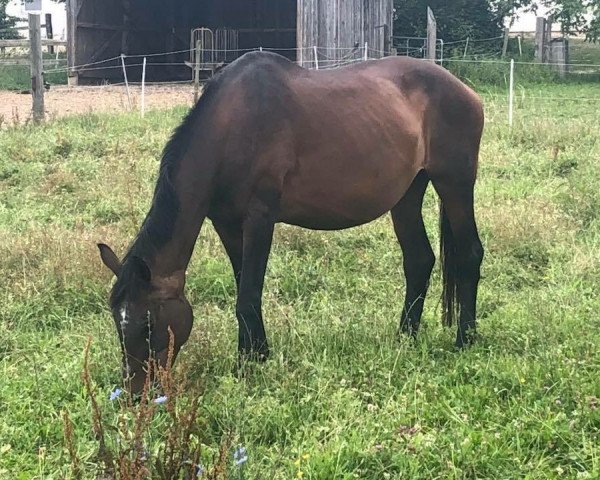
18, 77
584, 69
341, 398
584, 52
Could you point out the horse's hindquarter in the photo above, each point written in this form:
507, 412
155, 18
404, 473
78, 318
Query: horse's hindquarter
358, 146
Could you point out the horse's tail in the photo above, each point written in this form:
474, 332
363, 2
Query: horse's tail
449, 270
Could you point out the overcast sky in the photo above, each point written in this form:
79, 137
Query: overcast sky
59, 17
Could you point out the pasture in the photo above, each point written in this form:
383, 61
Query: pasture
341, 397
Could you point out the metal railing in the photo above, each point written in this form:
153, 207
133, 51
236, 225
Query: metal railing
210, 49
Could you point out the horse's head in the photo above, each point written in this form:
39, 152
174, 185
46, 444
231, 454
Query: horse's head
145, 308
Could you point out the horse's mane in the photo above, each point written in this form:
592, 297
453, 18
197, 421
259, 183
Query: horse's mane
159, 224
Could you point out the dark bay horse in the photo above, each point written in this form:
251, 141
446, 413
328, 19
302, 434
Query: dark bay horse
271, 142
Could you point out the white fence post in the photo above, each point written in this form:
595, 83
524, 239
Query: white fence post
511, 93
316, 57
366, 56
144, 88
197, 71
126, 81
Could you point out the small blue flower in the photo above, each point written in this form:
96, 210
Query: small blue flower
161, 399
199, 470
240, 456
115, 394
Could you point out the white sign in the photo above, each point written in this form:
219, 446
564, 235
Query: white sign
33, 6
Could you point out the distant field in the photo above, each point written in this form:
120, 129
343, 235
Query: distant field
341, 398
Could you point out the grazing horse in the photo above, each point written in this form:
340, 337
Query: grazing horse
271, 142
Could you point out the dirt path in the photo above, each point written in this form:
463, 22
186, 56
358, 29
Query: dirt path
15, 108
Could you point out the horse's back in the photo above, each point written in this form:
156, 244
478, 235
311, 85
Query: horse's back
338, 148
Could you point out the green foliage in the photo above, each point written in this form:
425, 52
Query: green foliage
342, 397
571, 14
7, 23
18, 77
459, 19
456, 19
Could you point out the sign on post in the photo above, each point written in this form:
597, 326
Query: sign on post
33, 6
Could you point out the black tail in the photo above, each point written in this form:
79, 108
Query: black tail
449, 270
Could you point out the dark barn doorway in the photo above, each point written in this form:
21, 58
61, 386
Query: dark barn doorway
162, 30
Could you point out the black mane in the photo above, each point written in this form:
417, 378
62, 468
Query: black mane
159, 224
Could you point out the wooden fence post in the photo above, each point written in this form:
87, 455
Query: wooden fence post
505, 44
431, 35
49, 31
37, 65
72, 9
540, 39
387, 41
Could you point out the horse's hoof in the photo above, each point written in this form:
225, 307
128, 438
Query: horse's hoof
407, 330
466, 340
246, 358
254, 357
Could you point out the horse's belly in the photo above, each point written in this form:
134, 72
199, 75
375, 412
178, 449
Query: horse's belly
332, 196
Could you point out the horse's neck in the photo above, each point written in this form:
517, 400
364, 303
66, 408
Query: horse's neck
193, 186
175, 256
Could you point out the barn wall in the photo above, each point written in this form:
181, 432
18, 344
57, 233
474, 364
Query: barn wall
337, 26
106, 28
101, 29
95, 32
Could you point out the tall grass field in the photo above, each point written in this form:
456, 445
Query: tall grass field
342, 397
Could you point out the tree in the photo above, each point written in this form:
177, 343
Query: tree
7, 23
459, 19
574, 16
456, 19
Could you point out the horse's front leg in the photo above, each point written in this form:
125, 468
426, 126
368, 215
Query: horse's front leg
257, 237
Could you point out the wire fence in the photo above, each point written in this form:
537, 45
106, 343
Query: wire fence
315, 57
485, 72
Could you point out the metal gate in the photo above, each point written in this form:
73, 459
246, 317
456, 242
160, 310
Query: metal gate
212, 49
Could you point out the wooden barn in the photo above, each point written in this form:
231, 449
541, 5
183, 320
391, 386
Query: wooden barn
99, 30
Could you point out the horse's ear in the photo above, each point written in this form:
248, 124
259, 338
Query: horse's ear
141, 269
109, 258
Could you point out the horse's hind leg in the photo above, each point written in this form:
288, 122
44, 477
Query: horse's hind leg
463, 254
418, 257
